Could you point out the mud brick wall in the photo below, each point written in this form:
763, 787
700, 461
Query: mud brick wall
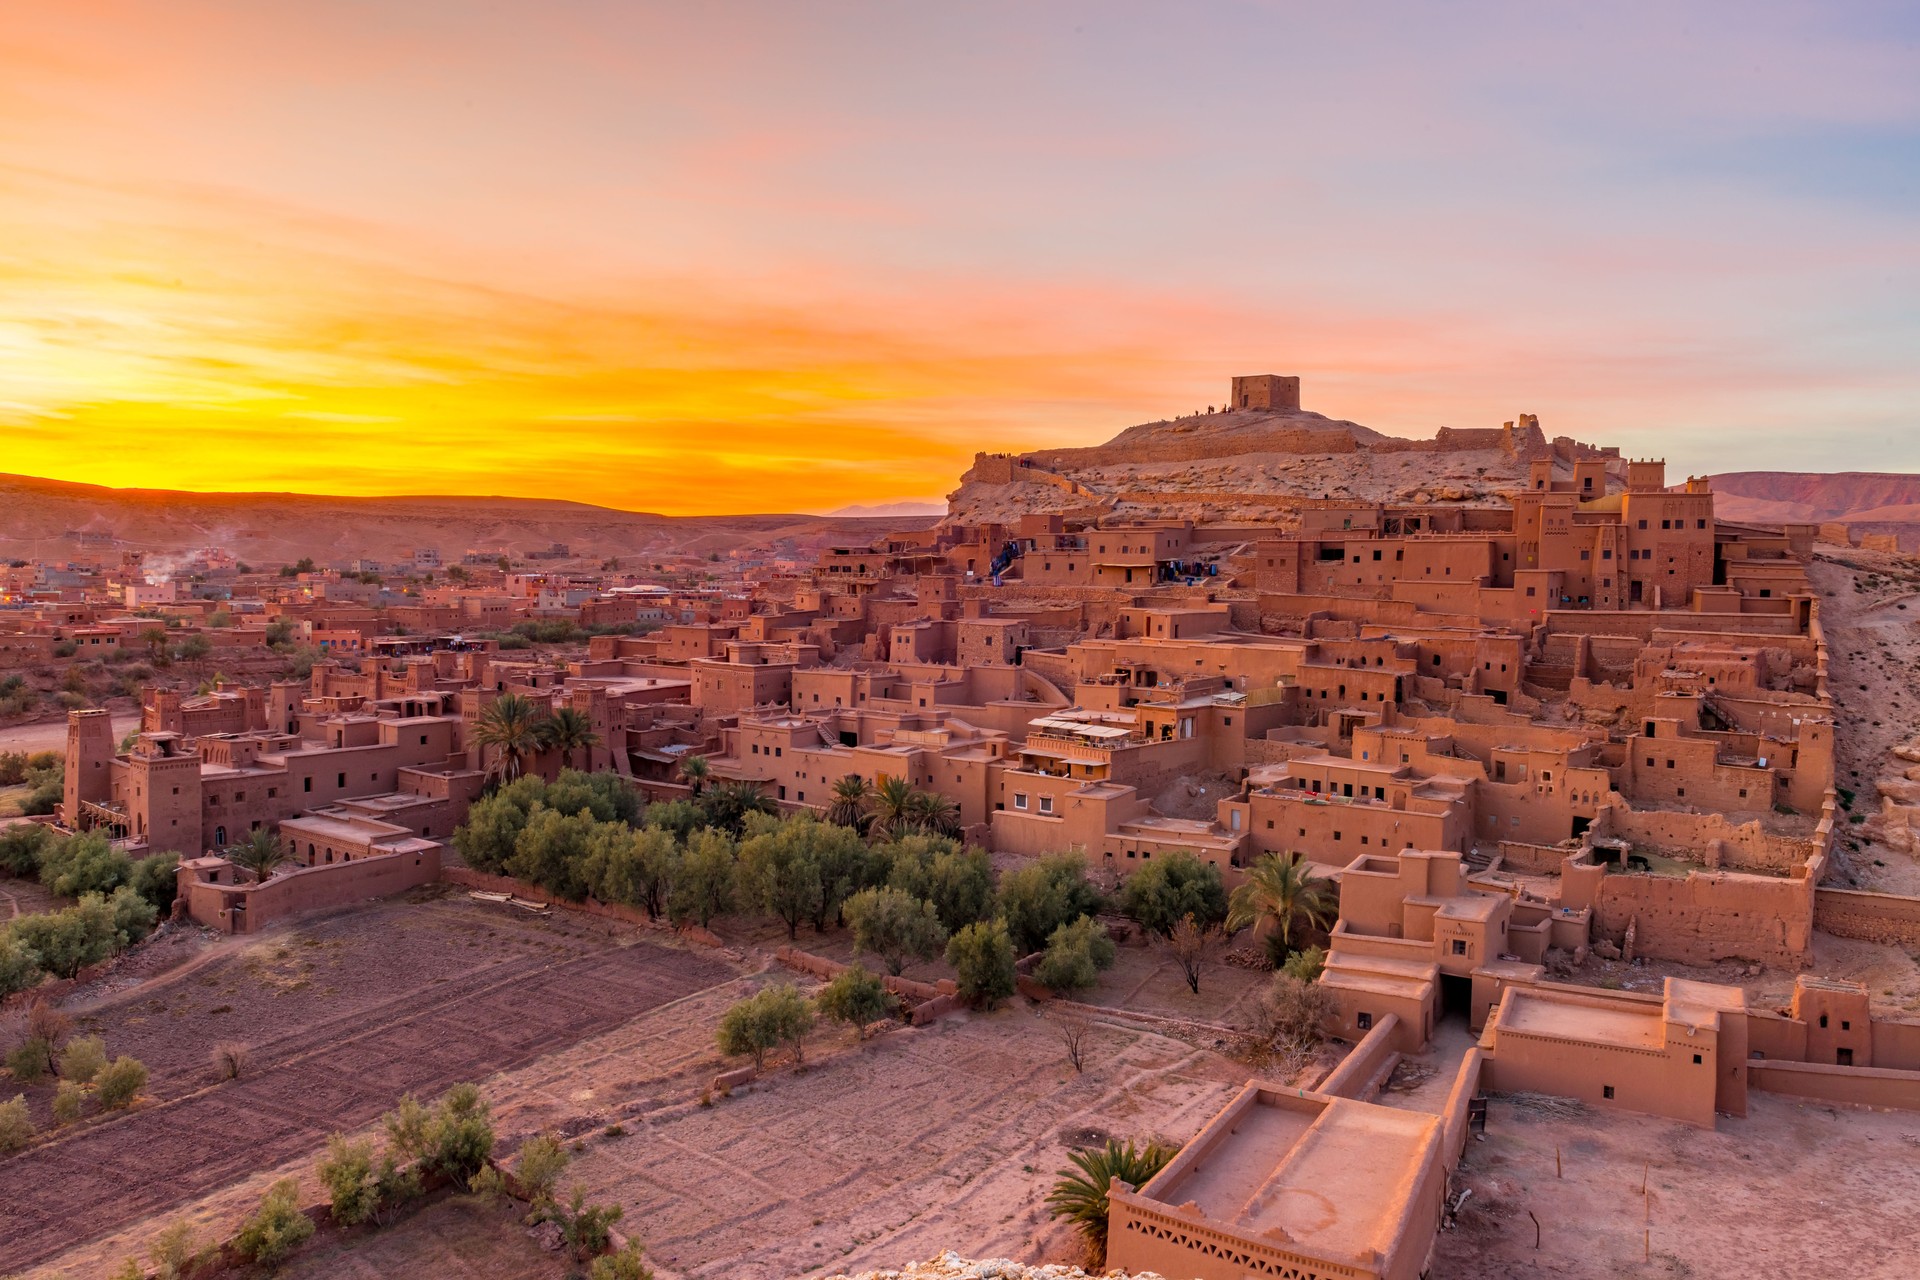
1710, 916
1869, 917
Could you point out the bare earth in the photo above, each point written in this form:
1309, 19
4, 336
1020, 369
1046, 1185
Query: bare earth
1791, 1190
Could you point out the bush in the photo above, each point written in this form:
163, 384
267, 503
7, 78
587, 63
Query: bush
586, 1228
454, 1137
856, 998
69, 1101
1306, 966
83, 1059
277, 1228
982, 958
16, 1126
84, 863
541, 1162
1076, 955
175, 1252
895, 927
27, 1062
1166, 890
768, 1018
359, 1188
229, 1060
67, 941
19, 964
45, 798
1040, 897
119, 1082
21, 846
624, 1265
1293, 1015
153, 878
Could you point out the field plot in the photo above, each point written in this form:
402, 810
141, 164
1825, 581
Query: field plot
1793, 1189
341, 1015
453, 1239
938, 1137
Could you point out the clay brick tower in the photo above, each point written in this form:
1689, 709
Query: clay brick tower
1266, 391
89, 750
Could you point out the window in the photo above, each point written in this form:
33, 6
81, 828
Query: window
306, 784
1696, 1059
342, 782
1459, 946
1046, 804
1020, 800
1364, 1021
1606, 1091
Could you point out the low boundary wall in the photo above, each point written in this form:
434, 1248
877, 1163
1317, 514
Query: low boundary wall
1853, 1086
1869, 917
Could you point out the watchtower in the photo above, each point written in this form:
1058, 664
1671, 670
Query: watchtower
1266, 391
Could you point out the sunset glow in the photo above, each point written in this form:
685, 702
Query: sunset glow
715, 258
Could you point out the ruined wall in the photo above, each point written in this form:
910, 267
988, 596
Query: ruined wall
1710, 916
1692, 836
1869, 917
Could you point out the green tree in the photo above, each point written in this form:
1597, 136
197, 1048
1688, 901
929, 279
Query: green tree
1159, 894
16, 1125
538, 1167
857, 998
770, 1017
895, 927
551, 851
1039, 897
20, 967
633, 867
1080, 1194
83, 1059
1076, 955
849, 807
84, 863
260, 853
982, 958
277, 1228
681, 817
1306, 965
607, 796
64, 942
361, 1188
511, 727
729, 805
958, 882
1281, 894
494, 823
627, 1264
704, 887
23, 844
934, 814
568, 731
155, 880
781, 875
847, 865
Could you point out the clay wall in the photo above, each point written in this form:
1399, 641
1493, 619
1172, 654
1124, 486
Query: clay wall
1869, 917
1709, 916
1850, 1086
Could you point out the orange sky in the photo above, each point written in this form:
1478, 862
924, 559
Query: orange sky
725, 258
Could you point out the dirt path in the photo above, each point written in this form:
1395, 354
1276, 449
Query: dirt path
51, 735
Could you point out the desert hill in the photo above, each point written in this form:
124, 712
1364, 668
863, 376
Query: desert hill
55, 519
1847, 497
1254, 465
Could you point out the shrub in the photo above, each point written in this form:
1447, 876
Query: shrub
229, 1060
16, 1126
541, 1162
1306, 966
982, 958
277, 1228
895, 927
19, 964
1076, 954
1080, 1194
1166, 890
856, 998
624, 1265
1040, 897
453, 1137
770, 1017
586, 1228
1293, 1014
45, 798
27, 1062
153, 878
83, 1059
69, 1101
67, 941
21, 846
1190, 943
175, 1252
119, 1082
359, 1188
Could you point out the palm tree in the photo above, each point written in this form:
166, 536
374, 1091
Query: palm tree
261, 854
729, 803
893, 809
1081, 1197
849, 807
696, 771
1286, 891
510, 725
568, 731
934, 814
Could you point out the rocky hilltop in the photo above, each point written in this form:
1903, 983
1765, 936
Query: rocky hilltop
1868, 498
1249, 464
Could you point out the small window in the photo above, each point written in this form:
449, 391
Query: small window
1020, 800
1606, 1091
1046, 804
1459, 946
1364, 1021
306, 784
1696, 1059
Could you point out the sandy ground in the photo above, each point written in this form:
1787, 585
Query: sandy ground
1871, 611
26, 897
455, 1238
1793, 1189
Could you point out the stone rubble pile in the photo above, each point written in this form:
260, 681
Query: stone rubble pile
951, 1266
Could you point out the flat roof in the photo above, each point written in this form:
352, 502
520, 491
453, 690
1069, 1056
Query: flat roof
1538, 1013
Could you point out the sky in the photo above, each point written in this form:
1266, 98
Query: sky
725, 257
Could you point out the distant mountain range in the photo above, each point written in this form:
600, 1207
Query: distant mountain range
890, 509
1845, 497
53, 519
